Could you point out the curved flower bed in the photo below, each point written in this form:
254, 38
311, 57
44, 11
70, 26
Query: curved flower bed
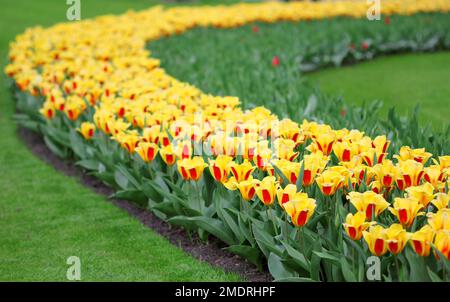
312, 200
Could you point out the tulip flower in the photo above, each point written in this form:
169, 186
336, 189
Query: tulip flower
286, 194
368, 202
168, 155
355, 225
242, 171
423, 194
48, 110
441, 200
219, 167
267, 190
300, 209
376, 240
183, 149
419, 155
324, 142
406, 210
248, 188
288, 168
370, 154
439, 220
151, 134
442, 243
345, 151
147, 151
433, 175
421, 240
329, 181
313, 164
396, 238
275, 61
385, 173
411, 172
191, 168
284, 149
128, 140
87, 129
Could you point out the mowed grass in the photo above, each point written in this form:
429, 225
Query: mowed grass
45, 217
403, 80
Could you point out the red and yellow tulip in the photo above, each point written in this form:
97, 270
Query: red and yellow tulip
355, 225
300, 209
369, 202
406, 210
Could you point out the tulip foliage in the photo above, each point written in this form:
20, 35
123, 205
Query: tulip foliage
311, 201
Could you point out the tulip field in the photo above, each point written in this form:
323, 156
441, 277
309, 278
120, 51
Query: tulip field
204, 116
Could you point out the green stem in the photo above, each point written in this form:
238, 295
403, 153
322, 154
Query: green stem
286, 226
150, 170
199, 195
397, 267
270, 216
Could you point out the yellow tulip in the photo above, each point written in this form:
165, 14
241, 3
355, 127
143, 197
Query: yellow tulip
386, 173
87, 129
47, 110
441, 200
168, 155
423, 194
411, 172
219, 167
421, 240
406, 210
248, 188
314, 164
345, 151
376, 240
419, 155
369, 202
267, 190
329, 181
242, 171
439, 220
442, 243
286, 194
191, 168
147, 151
355, 225
396, 238
300, 209
323, 142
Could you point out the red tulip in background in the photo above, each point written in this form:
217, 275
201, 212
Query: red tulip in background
387, 20
275, 61
255, 29
364, 45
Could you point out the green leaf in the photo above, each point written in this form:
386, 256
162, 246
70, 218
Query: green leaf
298, 257
211, 225
278, 269
295, 279
252, 254
231, 220
88, 164
347, 272
136, 196
327, 256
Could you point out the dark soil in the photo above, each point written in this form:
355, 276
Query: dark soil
211, 252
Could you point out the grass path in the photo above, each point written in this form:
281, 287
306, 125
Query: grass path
45, 217
400, 80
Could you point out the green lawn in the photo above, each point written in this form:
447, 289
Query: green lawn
238, 62
400, 80
45, 217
